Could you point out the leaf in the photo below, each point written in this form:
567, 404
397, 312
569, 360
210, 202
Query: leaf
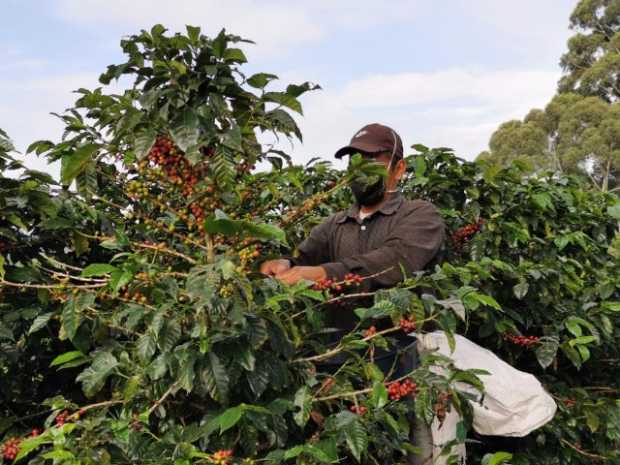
260, 80
259, 378
235, 55
269, 232
356, 438
186, 131
187, 373
612, 306
193, 33
221, 224
5, 332
76, 162
293, 452
66, 357
219, 44
1, 267
169, 336
230, 418
119, 279
215, 377
303, 401
143, 142
379, 396
132, 387
592, 420
97, 269
420, 148
233, 139
614, 211
488, 301
40, 322
28, 445
543, 201
547, 351
93, 378
581, 340
520, 290
496, 459
146, 346
284, 99
40, 146
71, 316
158, 367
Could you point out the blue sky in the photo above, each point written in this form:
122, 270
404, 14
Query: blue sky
442, 73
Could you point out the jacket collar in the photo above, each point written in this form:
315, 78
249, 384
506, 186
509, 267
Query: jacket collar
387, 208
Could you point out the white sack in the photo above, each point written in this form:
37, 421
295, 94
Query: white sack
515, 402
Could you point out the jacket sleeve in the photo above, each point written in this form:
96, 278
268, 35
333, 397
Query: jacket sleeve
412, 244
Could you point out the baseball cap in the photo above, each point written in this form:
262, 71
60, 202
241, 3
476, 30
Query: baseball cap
374, 138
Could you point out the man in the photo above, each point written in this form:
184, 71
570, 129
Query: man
379, 237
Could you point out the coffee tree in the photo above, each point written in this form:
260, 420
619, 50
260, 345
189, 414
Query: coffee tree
136, 328
171, 346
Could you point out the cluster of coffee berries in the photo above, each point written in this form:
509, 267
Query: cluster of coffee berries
59, 295
174, 164
247, 255
440, 408
61, 419
136, 189
398, 390
352, 278
221, 457
337, 287
370, 332
463, 235
10, 448
226, 290
525, 341
179, 171
137, 296
407, 325
361, 410
324, 284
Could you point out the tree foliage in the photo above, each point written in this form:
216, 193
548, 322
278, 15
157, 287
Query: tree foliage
578, 132
592, 62
134, 326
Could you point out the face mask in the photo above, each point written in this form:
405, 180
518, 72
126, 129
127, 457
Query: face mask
368, 190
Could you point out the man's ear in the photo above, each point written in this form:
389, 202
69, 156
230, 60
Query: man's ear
401, 167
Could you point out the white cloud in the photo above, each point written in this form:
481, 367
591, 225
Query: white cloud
457, 108
406, 89
26, 107
274, 26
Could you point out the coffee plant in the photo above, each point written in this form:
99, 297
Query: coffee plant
136, 328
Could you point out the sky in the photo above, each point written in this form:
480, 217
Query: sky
441, 73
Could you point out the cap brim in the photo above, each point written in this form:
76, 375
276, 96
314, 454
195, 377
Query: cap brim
358, 147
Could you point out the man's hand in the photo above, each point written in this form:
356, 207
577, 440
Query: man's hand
297, 273
274, 267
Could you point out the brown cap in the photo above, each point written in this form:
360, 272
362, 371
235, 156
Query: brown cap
374, 138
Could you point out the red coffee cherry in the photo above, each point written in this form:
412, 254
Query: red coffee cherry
10, 448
